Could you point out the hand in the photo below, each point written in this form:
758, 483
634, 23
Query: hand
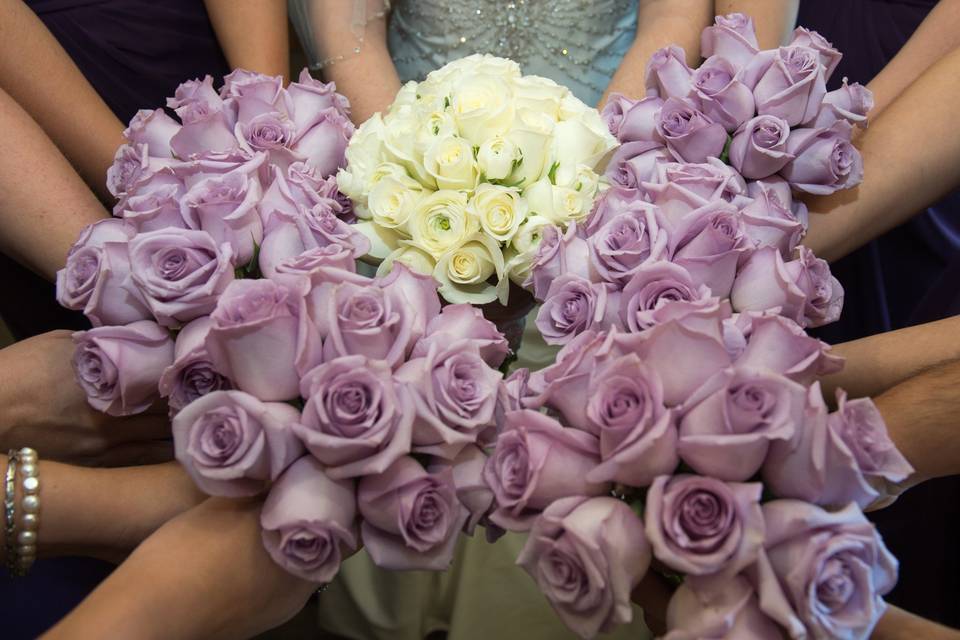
42, 406
204, 574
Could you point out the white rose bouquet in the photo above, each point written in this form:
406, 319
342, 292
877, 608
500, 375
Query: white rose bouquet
465, 168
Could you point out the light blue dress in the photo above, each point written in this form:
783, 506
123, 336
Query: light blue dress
577, 43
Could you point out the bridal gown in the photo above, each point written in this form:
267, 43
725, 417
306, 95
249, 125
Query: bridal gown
577, 43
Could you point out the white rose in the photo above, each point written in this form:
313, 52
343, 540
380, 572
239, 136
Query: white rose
407, 96
441, 221
534, 120
364, 152
500, 210
412, 256
529, 233
560, 205
575, 143
539, 197
383, 241
497, 158
399, 141
483, 107
517, 265
539, 95
534, 153
393, 199
449, 160
580, 178
476, 63
464, 271
571, 108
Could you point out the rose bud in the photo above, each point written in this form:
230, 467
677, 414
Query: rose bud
787, 83
667, 74
722, 97
825, 160
322, 142
289, 236
832, 568
574, 305
332, 256
261, 338
537, 461
690, 135
635, 163
192, 374
118, 367
638, 434
587, 555
158, 208
829, 56
770, 221
732, 421
718, 607
457, 322
781, 345
758, 149
472, 491
557, 254
455, 394
851, 102
733, 37
309, 521
310, 96
233, 445
632, 120
701, 526
411, 518
709, 242
154, 129
206, 127
181, 273
358, 419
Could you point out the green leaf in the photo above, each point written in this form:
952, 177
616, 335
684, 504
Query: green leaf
251, 270
552, 174
446, 102
725, 154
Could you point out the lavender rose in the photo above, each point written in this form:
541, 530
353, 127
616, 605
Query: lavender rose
701, 526
733, 420
537, 461
733, 37
96, 277
119, 367
225, 206
679, 188
206, 127
825, 160
557, 254
838, 459
829, 56
781, 345
758, 149
154, 129
709, 243
833, 568
628, 241
158, 208
457, 322
332, 256
769, 220
180, 273
288, 236
659, 291
261, 337
323, 140
309, 97
638, 434
632, 120
667, 74
358, 419
851, 102
472, 491
309, 521
455, 395
587, 555
233, 445
689, 134
574, 305
787, 83
270, 131
411, 518
722, 97
634, 163
192, 374
718, 607
803, 289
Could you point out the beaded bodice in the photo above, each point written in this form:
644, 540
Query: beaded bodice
578, 43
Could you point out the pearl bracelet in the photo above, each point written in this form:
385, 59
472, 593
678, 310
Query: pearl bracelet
30, 521
21, 546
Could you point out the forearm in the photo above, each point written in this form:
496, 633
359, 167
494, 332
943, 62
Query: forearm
660, 23
59, 99
937, 36
106, 512
43, 203
252, 34
877, 363
774, 20
923, 419
910, 161
897, 624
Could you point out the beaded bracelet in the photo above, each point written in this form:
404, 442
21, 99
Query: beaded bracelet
360, 24
30, 521
9, 509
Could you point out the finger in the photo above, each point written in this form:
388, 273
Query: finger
135, 454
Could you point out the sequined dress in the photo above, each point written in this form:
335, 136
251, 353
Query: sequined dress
577, 43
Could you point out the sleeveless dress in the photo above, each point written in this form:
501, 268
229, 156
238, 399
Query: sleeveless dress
908, 276
577, 43
134, 53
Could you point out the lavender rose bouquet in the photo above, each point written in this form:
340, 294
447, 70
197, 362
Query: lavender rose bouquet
681, 428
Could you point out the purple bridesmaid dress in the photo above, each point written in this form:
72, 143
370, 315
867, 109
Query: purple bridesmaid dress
134, 53
907, 276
